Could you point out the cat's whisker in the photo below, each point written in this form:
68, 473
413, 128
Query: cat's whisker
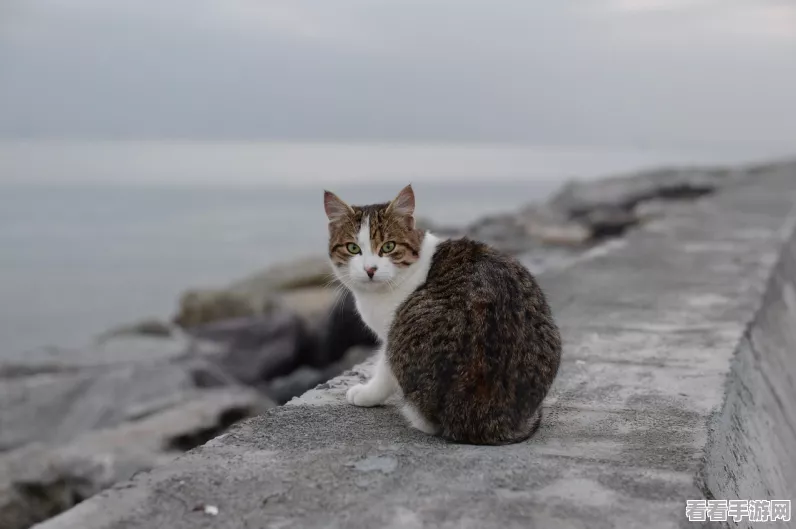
330, 279
339, 296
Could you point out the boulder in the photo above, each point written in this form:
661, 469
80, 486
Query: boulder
311, 271
578, 198
283, 389
198, 307
439, 230
41, 480
150, 327
258, 348
340, 330
75, 421
118, 351
607, 221
551, 226
54, 394
503, 232
309, 302
258, 294
585, 212
56, 407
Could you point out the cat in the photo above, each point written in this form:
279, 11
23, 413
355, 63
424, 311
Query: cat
467, 337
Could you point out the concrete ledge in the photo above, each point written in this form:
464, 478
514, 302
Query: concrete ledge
632, 425
750, 453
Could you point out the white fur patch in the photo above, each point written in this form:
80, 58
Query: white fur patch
377, 307
364, 238
376, 301
417, 420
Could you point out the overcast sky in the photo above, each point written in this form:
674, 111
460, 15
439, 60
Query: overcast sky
634, 73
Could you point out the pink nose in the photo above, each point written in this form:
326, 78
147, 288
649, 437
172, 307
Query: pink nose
370, 270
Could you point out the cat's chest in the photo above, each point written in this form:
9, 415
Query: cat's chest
378, 312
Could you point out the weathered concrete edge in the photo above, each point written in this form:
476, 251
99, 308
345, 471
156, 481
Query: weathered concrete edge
749, 454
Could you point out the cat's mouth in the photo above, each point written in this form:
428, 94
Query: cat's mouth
371, 284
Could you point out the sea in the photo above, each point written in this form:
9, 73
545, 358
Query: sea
95, 234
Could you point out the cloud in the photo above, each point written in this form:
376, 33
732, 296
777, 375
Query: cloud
620, 72
753, 19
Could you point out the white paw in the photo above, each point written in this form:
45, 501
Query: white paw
362, 395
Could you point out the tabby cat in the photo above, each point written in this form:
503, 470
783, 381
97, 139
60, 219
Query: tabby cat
467, 337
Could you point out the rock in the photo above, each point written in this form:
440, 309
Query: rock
657, 208
341, 330
312, 327
258, 348
56, 407
589, 211
503, 232
308, 303
53, 394
307, 272
585, 213
624, 192
541, 257
74, 421
198, 307
650, 209
255, 295
121, 351
604, 222
283, 389
39, 480
425, 224
152, 327
552, 226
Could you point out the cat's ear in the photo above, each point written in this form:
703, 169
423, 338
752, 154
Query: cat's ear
404, 205
335, 208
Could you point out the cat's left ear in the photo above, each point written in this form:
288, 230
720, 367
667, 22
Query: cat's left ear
404, 205
335, 208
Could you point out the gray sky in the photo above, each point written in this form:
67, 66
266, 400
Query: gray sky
640, 73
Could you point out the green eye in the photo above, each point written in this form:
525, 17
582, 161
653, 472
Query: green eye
353, 248
388, 247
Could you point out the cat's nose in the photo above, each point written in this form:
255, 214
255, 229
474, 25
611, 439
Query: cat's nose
370, 270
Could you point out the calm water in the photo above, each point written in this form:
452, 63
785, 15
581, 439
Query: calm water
78, 256
76, 260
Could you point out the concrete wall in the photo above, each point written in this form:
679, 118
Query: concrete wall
752, 448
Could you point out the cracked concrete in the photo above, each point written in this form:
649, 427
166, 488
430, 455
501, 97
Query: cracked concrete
674, 340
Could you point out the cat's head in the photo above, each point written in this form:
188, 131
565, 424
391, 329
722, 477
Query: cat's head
373, 247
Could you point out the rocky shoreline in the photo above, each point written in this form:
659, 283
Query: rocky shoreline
74, 422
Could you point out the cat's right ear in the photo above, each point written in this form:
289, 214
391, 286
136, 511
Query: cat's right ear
335, 208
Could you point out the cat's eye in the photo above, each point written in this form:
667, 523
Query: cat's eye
353, 248
388, 247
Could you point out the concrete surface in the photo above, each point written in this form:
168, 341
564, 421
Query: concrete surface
651, 325
751, 449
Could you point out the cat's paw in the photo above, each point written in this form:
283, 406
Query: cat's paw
363, 395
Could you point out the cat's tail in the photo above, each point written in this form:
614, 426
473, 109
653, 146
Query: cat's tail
519, 436
530, 428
